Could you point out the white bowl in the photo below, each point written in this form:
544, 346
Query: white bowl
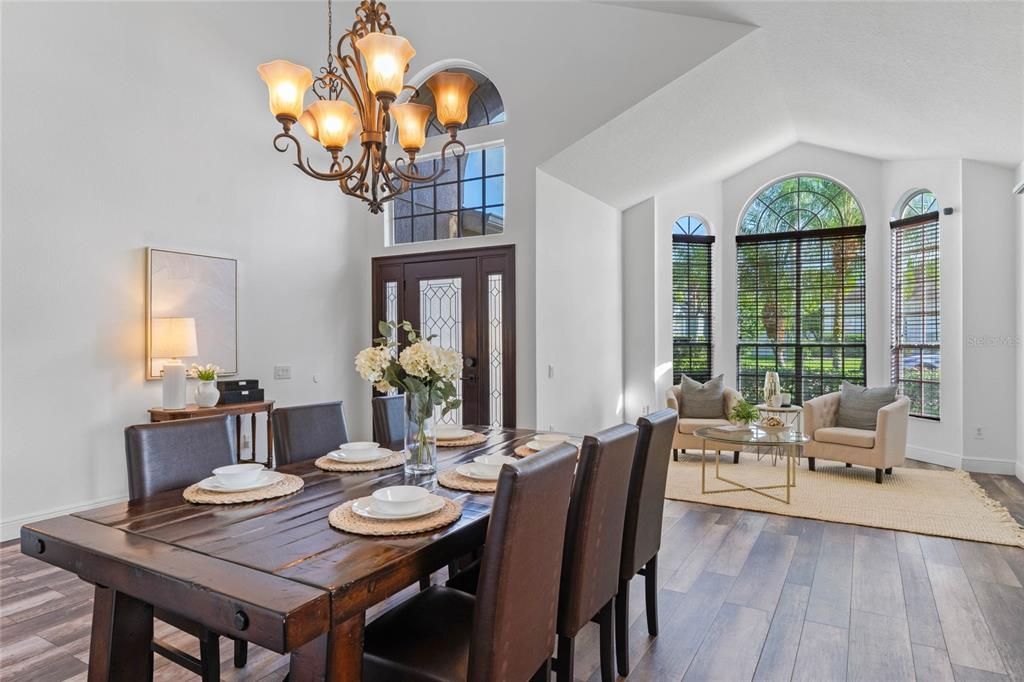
235, 475
399, 499
552, 438
490, 465
448, 432
358, 446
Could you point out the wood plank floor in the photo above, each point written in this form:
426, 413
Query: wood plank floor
744, 596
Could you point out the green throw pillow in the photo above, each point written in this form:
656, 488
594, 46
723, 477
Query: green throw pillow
859, 406
703, 401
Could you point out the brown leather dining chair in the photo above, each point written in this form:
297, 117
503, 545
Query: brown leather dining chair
389, 421
305, 432
171, 455
507, 632
593, 545
641, 539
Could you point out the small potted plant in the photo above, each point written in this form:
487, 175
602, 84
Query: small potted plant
207, 394
744, 413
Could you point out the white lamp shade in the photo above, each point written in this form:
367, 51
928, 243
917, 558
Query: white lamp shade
174, 337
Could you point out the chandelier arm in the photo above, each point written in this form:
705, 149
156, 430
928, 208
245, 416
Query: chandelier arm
353, 62
347, 167
458, 151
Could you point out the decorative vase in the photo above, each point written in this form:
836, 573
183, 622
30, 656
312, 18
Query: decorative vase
420, 440
772, 388
207, 394
787, 400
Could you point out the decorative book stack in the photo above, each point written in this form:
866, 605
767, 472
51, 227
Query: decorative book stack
239, 391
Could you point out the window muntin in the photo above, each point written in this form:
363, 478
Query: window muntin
691, 299
801, 289
919, 203
915, 349
465, 201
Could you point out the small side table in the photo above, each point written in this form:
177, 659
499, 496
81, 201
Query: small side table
792, 416
160, 414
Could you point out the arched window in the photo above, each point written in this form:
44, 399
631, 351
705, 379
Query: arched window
800, 288
468, 200
918, 203
691, 299
915, 352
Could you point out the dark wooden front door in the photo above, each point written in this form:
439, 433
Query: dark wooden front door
467, 299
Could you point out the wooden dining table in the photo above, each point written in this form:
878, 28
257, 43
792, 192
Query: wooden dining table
273, 573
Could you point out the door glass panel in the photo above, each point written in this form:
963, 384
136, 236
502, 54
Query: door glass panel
441, 315
391, 309
494, 355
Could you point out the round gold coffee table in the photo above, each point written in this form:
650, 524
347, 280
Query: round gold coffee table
788, 444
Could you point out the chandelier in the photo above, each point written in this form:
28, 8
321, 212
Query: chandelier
367, 66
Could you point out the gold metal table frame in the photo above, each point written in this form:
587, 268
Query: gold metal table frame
791, 455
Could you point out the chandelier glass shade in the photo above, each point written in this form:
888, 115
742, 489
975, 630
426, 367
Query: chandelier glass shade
355, 96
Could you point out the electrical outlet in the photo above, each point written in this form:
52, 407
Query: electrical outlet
979, 434
245, 441
647, 409
282, 371
551, 371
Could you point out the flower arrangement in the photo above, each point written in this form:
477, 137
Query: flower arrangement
426, 373
205, 372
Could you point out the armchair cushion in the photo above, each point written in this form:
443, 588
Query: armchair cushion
841, 435
702, 401
688, 425
859, 406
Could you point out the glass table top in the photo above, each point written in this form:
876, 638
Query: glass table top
755, 435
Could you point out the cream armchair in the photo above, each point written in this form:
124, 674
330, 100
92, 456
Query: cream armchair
685, 426
882, 449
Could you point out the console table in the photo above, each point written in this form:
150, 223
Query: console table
238, 410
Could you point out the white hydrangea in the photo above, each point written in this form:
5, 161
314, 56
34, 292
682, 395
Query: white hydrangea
447, 363
371, 363
415, 359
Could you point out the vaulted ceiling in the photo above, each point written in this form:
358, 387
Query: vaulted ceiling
890, 80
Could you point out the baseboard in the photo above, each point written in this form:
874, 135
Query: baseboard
11, 528
940, 457
1020, 471
989, 465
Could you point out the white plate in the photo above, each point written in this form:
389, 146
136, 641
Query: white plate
359, 456
364, 506
552, 438
451, 433
263, 480
540, 445
469, 471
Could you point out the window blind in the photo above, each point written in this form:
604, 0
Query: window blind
801, 310
915, 352
691, 306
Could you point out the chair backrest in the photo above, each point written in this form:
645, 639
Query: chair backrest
517, 592
306, 432
593, 534
645, 505
176, 454
389, 421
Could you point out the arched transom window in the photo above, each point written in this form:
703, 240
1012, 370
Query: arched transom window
800, 298
919, 203
802, 202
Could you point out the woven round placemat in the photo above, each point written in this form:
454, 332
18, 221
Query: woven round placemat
524, 451
343, 518
456, 481
475, 439
286, 486
395, 459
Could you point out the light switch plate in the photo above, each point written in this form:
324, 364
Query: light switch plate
282, 372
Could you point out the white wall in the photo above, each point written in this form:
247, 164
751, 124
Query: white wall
939, 442
639, 302
1020, 323
579, 272
165, 142
990, 326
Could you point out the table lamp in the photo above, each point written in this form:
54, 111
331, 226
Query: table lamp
174, 338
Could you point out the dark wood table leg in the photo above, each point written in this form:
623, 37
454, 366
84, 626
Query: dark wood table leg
238, 435
252, 453
270, 442
337, 655
122, 633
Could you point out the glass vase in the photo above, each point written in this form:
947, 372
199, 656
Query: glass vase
420, 441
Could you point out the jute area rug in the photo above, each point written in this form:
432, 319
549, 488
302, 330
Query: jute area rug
944, 503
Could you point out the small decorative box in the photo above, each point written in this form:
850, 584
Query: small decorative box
251, 395
238, 385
